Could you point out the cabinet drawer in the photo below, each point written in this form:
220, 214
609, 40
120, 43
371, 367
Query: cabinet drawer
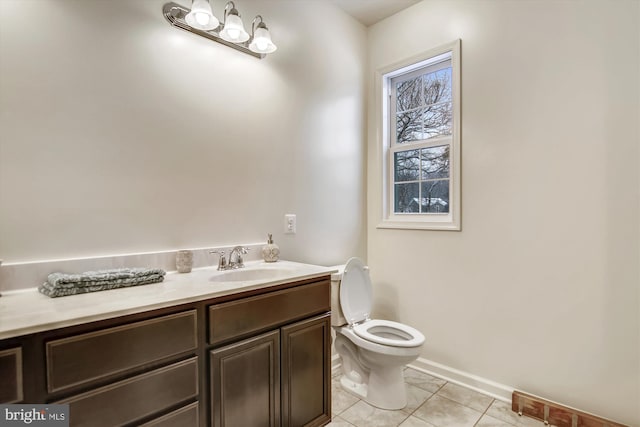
84, 358
135, 398
11, 375
237, 319
185, 416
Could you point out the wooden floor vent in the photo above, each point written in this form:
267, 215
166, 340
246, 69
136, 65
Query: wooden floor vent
555, 414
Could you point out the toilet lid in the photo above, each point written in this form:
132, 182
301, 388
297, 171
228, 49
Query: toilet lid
356, 297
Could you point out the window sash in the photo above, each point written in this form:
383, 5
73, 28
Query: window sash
391, 179
442, 63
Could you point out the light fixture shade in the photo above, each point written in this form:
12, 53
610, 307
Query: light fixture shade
201, 17
233, 30
261, 42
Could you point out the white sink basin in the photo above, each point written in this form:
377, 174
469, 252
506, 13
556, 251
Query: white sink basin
248, 274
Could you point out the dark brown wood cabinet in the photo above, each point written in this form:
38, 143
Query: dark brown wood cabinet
252, 359
280, 378
276, 378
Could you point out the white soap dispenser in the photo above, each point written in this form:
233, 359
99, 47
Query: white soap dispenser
270, 251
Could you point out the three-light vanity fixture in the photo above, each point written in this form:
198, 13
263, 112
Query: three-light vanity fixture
230, 32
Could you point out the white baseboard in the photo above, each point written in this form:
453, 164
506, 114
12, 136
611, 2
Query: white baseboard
482, 385
491, 388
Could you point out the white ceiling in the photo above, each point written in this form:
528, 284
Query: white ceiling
371, 11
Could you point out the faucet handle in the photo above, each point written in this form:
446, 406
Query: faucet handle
238, 251
242, 250
222, 261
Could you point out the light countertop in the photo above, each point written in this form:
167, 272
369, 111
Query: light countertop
28, 311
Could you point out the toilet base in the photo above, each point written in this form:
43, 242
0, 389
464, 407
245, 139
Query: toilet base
359, 390
385, 390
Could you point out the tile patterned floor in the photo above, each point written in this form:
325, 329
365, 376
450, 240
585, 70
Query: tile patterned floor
432, 402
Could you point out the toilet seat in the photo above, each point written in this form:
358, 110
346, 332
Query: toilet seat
356, 301
387, 332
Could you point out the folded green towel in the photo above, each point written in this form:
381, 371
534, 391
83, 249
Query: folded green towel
61, 284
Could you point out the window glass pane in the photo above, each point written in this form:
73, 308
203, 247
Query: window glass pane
437, 120
406, 198
435, 196
437, 87
407, 165
408, 94
409, 126
434, 162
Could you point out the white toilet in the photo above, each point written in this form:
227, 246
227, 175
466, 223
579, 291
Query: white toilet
373, 352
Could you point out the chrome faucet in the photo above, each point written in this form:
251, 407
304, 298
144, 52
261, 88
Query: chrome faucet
239, 251
231, 264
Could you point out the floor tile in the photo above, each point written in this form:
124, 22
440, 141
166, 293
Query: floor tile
467, 397
415, 422
450, 406
364, 415
488, 421
339, 422
502, 411
443, 412
415, 397
422, 380
340, 399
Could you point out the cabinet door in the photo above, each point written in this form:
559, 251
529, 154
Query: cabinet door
11, 375
245, 383
306, 372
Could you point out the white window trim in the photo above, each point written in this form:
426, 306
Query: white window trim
450, 221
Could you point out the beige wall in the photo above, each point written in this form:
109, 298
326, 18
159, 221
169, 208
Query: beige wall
539, 290
121, 134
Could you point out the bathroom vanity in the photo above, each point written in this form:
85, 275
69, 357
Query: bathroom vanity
199, 351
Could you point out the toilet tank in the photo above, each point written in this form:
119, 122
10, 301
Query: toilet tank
337, 317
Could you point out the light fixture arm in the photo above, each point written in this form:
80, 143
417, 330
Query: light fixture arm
175, 14
253, 25
229, 9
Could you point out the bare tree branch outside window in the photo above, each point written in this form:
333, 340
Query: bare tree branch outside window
423, 107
